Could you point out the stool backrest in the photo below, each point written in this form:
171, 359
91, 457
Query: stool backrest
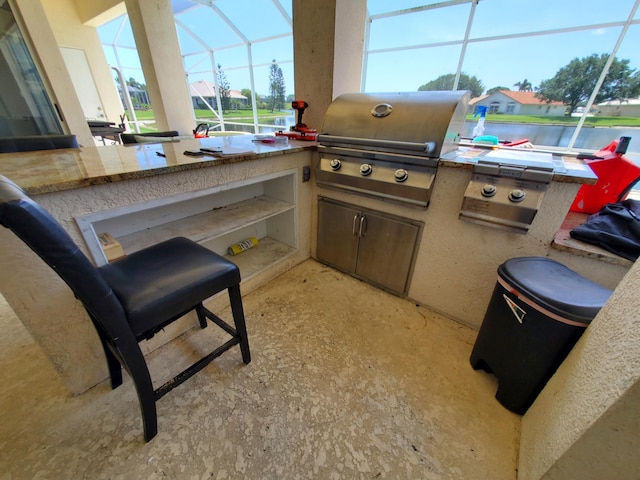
46, 237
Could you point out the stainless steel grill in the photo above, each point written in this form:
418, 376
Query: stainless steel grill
387, 145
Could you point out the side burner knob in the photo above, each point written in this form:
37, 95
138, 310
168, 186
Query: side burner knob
488, 190
401, 175
365, 169
335, 164
516, 195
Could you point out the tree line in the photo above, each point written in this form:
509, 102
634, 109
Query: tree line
275, 100
277, 90
572, 85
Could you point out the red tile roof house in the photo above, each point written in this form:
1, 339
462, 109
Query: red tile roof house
518, 103
206, 90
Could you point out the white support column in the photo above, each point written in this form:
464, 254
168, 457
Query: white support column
157, 43
328, 40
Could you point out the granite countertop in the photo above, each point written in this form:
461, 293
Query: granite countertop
65, 169
566, 168
47, 171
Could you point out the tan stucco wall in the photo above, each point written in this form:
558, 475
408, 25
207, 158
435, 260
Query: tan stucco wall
328, 40
97, 12
71, 33
586, 422
457, 261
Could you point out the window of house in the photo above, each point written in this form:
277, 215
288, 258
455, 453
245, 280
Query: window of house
511, 107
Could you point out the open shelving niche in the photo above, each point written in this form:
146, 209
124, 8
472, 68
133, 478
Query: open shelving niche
262, 207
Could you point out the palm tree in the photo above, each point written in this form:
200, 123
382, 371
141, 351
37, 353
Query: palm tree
524, 86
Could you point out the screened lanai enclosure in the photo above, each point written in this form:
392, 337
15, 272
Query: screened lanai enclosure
238, 60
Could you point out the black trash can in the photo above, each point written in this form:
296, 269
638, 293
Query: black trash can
538, 311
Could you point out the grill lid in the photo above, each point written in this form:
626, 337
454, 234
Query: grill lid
417, 123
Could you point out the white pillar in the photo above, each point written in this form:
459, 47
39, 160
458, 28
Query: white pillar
156, 39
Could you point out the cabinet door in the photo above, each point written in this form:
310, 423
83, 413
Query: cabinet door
337, 240
385, 254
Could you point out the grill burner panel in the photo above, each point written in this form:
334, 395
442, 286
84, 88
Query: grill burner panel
401, 182
387, 145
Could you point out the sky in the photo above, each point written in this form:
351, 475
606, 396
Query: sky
492, 58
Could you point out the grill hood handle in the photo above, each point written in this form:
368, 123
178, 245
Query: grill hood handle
333, 140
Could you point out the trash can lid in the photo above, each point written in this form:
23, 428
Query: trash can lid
555, 287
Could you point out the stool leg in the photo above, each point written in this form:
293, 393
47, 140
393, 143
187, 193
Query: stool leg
238, 317
201, 316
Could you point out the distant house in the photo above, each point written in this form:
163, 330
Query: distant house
203, 91
617, 108
139, 97
518, 103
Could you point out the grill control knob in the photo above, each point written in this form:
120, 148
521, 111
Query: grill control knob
335, 164
488, 190
516, 195
365, 169
401, 175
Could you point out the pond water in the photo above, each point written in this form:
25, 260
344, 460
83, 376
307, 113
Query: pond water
590, 138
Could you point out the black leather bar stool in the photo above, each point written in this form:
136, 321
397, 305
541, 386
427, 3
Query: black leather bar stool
133, 298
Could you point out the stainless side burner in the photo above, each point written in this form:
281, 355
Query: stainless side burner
506, 192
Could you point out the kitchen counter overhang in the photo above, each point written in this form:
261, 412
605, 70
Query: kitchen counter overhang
47, 171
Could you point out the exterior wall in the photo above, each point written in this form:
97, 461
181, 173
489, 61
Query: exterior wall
519, 108
70, 32
585, 423
550, 110
623, 110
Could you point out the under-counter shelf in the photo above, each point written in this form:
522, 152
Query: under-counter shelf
262, 207
259, 258
210, 225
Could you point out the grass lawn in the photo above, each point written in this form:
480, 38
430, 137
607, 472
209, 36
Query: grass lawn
231, 114
589, 121
247, 116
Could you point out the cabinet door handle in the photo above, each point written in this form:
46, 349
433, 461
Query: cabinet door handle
355, 221
363, 226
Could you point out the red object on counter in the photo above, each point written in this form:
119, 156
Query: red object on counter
300, 131
615, 172
201, 131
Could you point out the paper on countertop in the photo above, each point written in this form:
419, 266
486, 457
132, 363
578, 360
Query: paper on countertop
227, 151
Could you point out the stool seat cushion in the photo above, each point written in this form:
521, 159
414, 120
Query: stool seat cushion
555, 287
166, 280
